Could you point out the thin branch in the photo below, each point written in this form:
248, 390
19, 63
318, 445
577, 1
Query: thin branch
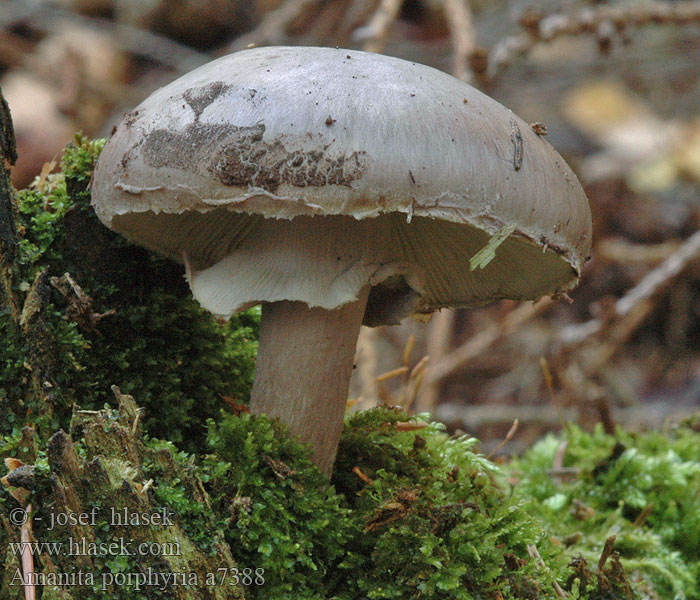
273, 28
482, 341
459, 17
599, 20
532, 551
619, 250
473, 417
439, 337
648, 287
657, 278
374, 34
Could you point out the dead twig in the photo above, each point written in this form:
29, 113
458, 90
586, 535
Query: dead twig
373, 35
391, 374
534, 553
650, 285
656, 279
461, 23
601, 20
549, 383
413, 383
644, 515
482, 341
273, 28
509, 436
607, 551
472, 417
80, 309
361, 475
22, 495
439, 338
623, 252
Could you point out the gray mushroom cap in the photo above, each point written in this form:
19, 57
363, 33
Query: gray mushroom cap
306, 173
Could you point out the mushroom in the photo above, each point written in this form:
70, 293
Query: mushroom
337, 188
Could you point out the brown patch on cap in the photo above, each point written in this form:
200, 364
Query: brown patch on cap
200, 98
163, 148
249, 161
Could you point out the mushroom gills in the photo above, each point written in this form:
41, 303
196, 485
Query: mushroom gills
326, 261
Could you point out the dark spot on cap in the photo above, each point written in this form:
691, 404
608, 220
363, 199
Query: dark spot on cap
200, 98
164, 148
246, 160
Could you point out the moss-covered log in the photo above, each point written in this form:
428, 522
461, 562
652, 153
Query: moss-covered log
100, 526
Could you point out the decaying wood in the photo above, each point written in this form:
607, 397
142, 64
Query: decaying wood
8, 227
42, 354
80, 309
28, 313
107, 474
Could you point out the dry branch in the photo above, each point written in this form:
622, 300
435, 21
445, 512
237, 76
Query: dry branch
600, 20
459, 357
374, 34
649, 286
273, 28
439, 336
459, 17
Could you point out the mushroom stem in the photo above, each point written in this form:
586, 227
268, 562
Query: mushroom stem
304, 364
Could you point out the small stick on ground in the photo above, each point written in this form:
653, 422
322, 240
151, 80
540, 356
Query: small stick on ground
533, 552
375, 33
509, 436
459, 18
272, 29
586, 21
482, 341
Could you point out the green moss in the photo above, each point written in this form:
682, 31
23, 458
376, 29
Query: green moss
644, 489
437, 520
433, 523
280, 514
154, 340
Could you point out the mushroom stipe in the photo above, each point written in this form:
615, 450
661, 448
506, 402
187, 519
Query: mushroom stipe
236, 169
